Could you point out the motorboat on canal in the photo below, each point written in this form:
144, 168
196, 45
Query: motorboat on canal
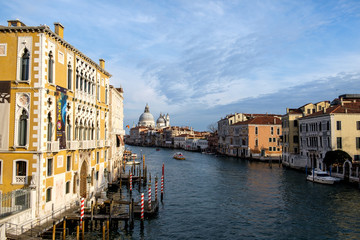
179, 156
321, 177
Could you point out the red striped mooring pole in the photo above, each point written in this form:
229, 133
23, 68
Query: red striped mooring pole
130, 183
162, 187
156, 188
142, 209
149, 199
81, 211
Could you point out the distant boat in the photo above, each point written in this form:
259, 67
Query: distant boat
158, 149
321, 177
179, 156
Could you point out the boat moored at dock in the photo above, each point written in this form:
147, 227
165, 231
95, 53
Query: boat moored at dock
321, 177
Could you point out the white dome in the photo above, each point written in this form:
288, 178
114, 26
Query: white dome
146, 119
160, 120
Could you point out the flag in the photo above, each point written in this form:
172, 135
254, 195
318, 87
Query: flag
128, 126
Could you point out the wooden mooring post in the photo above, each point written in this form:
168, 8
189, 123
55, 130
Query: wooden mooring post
54, 230
64, 228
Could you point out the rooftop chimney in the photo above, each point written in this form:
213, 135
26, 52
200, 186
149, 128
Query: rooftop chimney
102, 63
59, 29
15, 23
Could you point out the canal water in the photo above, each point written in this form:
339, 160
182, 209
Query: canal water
212, 197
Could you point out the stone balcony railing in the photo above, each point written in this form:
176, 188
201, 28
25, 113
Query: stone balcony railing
52, 146
72, 145
100, 143
107, 143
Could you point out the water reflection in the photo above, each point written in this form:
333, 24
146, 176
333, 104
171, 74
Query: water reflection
208, 197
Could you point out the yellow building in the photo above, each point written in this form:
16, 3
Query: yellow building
290, 132
54, 117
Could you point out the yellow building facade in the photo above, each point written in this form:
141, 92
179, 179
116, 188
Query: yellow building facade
54, 105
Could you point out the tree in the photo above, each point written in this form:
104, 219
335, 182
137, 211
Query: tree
337, 156
212, 127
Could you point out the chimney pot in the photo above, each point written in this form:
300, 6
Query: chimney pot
102, 63
59, 29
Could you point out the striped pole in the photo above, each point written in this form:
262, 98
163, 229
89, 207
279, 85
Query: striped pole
130, 182
149, 198
162, 187
82, 212
142, 207
156, 188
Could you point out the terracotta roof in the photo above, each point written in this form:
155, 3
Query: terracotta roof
345, 108
264, 120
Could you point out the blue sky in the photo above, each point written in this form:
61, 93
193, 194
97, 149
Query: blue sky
201, 60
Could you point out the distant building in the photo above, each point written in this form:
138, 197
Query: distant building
290, 132
333, 128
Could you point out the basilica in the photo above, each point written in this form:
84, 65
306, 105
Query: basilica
147, 120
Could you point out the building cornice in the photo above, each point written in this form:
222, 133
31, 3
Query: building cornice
47, 30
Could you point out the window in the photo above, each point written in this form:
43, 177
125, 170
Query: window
77, 80
328, 125
68, 129
23, 128
20, 168
51, 68
272, 130
295, 123
67, 187
106, 155
98, 92
338, 125
356, 157
97, 175
339, 142
1, 173
357, 125
24, 67
278, 131
48, 194
106, 93
49, 167
68, 163
270, 149
69, 75
358, 142
269, 139
256, 130
256, 142
274, 140
296, 139
49, 128
97, 157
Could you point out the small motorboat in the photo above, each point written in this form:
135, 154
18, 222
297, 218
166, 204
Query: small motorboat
321, 177
132, 162
179, 156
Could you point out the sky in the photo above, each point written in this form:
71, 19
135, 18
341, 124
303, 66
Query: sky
202, 60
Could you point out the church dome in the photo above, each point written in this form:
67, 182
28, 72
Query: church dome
160, 120
146, 119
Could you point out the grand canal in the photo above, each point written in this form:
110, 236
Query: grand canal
209, 197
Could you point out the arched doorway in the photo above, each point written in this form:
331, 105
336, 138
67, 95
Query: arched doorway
83, 174
347, 170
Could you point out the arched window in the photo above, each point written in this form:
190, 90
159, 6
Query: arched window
24, 67
23, 121
69, 73
48, 194
51, 68
106, 95
49, 128
77, 80
68, 129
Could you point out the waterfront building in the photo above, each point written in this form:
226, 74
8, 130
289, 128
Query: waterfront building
117, 131
258, 137
54, 118
290, 132
334, 128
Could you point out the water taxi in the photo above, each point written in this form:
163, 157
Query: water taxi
179, 156
321, 177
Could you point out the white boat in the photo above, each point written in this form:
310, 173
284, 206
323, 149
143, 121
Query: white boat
132, 162
321, 177
179, 156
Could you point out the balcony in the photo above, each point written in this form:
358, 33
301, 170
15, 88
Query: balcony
72, 145
20, 180
91, 144
100, 143
52, 146
107, 143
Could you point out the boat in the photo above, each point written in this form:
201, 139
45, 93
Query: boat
179, 156
158, 149
321, 177
133, 155
132, 162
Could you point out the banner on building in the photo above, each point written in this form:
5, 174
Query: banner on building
61, 116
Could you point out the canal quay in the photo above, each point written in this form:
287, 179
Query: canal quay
213, 197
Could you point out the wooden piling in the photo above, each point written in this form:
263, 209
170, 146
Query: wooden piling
82, 231
108, 229
103, 231
54, 230
64, 228
77, 232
